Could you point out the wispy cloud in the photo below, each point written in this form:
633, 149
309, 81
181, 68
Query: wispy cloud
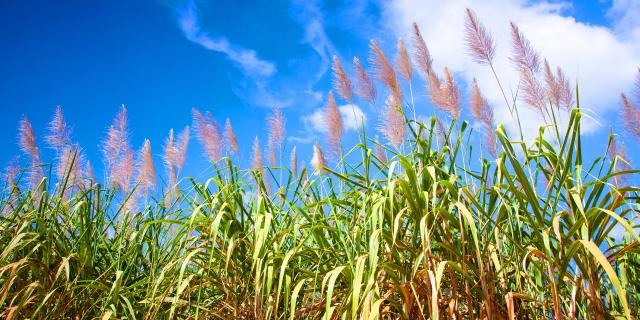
246, 59
583, 50
309, 15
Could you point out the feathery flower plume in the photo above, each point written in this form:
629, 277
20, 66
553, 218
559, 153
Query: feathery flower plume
451, 94
69, 167
392, 126
146, 168
364, 88
58, 135
271, 153
276, 123
421, 53
303, 172
558, 88
441, 133
116, 144
170, 160
208, 134
27, 139
341, 81
123, 171
479, 41
482, 111
334, 125
618, 152
256, 158
384, 71
11, 171
294, 162
533, 93
27, 143
630, 116
446, 94
480, 108
403, 61
230, 135
524, 55
257, 162
552, 87
379, 151
319, 162
89, 174
566, 91
181, 148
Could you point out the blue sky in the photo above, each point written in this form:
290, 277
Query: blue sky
238, 60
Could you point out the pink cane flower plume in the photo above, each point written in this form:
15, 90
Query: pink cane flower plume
384, 71
480, 107
421, 54
276, 123
256, 159
116, 144
451, 94
271, 153
441, 133
379, 151
58, 135
364, 87
170, 160
27, 139
208, 134
257, 162
553, 90
27, 143
482, 111
124, 169
557, 86
146, 168
11, 171
319, 162
334, 125
392, 126
341, 81
617, 152
532, 92
479, 41
445, 94
69, 165
403, 61
630, 116
89, 174
294, 162
524, 55
230, 135
181, 148
303, 171
566, 91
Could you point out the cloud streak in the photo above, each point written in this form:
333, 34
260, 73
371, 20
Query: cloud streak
309, 15
245, 59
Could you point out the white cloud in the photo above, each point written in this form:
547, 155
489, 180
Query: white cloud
602, 60
246, 59
352, 118
625, 15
